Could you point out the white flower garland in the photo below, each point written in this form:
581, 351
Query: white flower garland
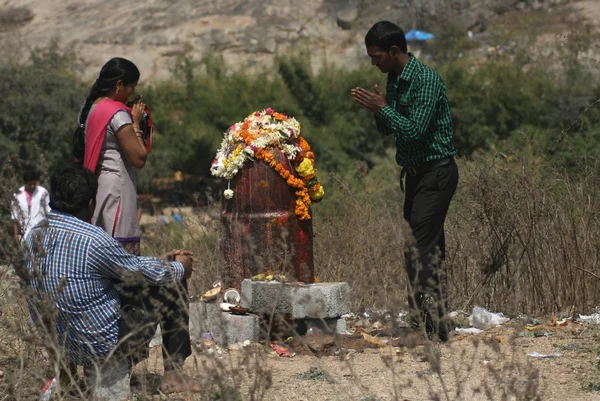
262, 129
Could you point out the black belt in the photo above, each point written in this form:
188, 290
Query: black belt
423, 168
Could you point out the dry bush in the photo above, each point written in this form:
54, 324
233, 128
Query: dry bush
359, 238
523, 237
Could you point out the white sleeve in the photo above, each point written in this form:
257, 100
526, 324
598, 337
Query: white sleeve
119, 120
14, 210
46, 200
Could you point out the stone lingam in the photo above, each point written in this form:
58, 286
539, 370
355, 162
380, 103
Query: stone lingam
267, 236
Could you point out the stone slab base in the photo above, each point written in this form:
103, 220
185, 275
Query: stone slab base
301, 301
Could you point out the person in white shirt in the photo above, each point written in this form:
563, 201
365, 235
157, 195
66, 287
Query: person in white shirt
30, 205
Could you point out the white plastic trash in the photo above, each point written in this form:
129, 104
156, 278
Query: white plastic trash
484, 319
593, 319
470, 330
538, 355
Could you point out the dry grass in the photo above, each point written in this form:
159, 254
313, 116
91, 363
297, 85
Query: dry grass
521, 238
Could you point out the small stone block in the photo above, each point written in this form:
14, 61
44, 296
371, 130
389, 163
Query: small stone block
226, 328
240, 328
301, 301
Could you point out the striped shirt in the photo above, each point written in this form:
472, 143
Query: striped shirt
72, 266
417, 114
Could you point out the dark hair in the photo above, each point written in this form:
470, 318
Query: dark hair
384, 35
115, 70
31, 175
72, 187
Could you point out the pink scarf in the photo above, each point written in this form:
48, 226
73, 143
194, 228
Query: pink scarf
96, 130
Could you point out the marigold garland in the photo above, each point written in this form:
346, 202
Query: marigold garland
253, 139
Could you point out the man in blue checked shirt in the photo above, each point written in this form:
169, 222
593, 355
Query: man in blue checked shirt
74, 270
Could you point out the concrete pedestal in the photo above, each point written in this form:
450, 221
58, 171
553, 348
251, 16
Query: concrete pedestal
226, 328
301, 301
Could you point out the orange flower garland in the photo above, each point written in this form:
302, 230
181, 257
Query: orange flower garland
254, 138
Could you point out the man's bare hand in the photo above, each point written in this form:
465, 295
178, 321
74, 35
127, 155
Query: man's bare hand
185, 257
372, 101
187, 261
171, 254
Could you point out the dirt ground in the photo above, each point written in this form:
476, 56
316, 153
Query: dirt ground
478, 367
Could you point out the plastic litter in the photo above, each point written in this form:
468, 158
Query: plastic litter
593, 319
470, 330
281, 350
48, 389
314, 331
374, 340
457, 313
484, 319
206, 336
538, 355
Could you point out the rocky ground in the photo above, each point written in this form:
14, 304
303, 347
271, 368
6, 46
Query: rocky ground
493, 365
247, 33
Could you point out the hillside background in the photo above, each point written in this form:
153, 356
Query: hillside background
247, 33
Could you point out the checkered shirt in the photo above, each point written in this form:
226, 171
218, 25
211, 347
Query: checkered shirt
73, 265
417, 114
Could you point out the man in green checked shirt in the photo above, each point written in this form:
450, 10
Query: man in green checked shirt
415, 111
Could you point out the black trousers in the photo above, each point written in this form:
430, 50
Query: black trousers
142, 308
427, 198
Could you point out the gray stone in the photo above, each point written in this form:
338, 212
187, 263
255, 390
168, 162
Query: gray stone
521, 5
110, 381
240, 328
269, 45
225, 328
536, 5
347, 15
301, 301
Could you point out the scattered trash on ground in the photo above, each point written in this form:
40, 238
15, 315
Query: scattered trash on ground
457, 313
484, 319
470, 330
281, 350
48, 389
374, 340
534, 334
538, 355
314, 331
592, 319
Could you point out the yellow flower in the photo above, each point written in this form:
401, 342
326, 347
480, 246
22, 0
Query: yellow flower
305, 168
318, 194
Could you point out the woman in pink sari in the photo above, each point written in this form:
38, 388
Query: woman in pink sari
110, 143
